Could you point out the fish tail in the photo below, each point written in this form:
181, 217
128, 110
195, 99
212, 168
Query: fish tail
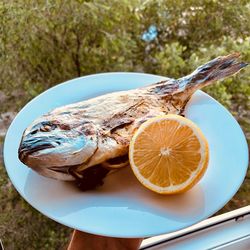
217, 69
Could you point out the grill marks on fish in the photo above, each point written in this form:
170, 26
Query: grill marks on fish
88, 129
164, 88
121, 123
122, 117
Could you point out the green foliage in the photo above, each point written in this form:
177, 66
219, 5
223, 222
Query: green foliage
43, 43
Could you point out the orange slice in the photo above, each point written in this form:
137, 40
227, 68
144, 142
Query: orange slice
169, 154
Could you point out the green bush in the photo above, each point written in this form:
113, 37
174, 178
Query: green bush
43, 43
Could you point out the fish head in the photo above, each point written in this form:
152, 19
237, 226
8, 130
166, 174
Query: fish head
54, 143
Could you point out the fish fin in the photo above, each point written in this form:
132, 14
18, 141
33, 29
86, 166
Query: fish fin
217, 69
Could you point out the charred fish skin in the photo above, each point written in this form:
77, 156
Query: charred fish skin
70, 140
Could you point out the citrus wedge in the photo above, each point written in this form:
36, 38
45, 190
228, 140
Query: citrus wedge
169, 154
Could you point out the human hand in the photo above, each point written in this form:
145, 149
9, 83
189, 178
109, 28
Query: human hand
85, 241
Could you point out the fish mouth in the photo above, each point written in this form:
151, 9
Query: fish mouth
32, 145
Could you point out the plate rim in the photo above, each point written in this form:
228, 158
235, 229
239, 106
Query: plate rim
58, 220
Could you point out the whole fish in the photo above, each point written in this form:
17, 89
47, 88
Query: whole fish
84, 141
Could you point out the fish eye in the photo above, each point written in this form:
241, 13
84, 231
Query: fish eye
47, 127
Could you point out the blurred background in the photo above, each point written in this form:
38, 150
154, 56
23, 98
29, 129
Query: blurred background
44, 43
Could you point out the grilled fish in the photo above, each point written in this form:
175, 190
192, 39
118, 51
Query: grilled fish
85, 141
